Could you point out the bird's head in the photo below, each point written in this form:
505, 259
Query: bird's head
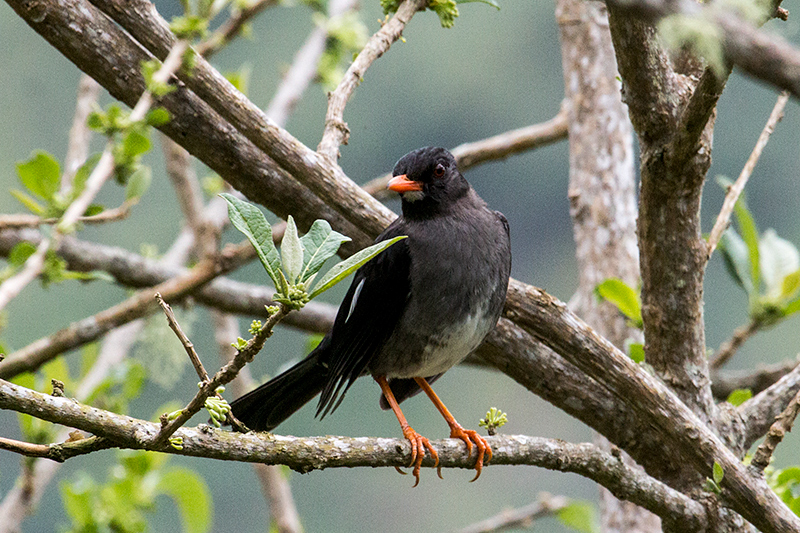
428, 181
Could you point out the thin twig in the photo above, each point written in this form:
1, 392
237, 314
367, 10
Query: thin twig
500, 146
231, 28
782, 425
225, 375
185, 342
274, 483
523, 517
79, 133
193, 357
33, 221
336, 132
729, 347
735, 190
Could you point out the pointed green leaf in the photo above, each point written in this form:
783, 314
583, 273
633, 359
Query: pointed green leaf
41, 175
32, 205
158, 116
739, 396
790, 285
718, 472
135, 143
778, 258
350, 265
736, 258
248, 219
291, 252
792, 307
319, 244
192, 497
750, 235
623, 297
138, 183
581, 516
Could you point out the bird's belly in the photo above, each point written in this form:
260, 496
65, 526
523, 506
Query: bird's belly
442, 351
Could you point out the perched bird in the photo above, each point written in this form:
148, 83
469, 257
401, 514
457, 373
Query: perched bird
412, 312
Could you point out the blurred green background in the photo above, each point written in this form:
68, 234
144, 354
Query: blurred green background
494, 71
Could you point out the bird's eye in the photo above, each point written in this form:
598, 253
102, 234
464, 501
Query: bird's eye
439, 170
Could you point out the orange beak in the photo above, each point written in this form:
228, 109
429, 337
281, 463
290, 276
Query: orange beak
403, 184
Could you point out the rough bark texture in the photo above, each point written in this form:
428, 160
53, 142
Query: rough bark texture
602, 197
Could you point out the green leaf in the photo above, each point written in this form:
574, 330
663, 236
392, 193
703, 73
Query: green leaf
718, 473
135, 143
737, 259
623, 297
778, 259
581, 516
158, 116
20, 253
349, 265
83, 173
93, 209
248, 219
291, 252
78, 501
319, 244
792, 307
41, 175
138, 183
739, 396
790, 285
32, 205
750, 235
636, 352
192, 497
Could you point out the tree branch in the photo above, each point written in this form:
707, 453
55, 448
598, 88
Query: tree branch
759, 412
336, 131
137, 306
735, 190
316, 453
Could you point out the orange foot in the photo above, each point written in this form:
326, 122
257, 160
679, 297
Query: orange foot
469, 437
418, 445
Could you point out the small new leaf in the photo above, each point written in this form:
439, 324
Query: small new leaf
138, 183
747, 227
718, 473
581, 516
737, 259
291, 252
41, 175
623, 297
739, 396
350, 265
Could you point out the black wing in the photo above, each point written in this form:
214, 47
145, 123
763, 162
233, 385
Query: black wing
367, 317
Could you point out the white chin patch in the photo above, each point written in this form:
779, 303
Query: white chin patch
413, 196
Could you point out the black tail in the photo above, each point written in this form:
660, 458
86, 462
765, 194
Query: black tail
273, 402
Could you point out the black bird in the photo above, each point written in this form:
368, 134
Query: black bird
412, 312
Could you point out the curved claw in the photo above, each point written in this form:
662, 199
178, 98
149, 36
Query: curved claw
469, 437
418, 446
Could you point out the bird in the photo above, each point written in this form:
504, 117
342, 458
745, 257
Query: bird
412, 312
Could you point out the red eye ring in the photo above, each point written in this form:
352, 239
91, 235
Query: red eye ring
439, 170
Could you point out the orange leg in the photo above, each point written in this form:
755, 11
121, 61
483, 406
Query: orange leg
418, 442
469, 436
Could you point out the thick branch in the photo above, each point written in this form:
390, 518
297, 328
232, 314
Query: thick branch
315, 453
549, 320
